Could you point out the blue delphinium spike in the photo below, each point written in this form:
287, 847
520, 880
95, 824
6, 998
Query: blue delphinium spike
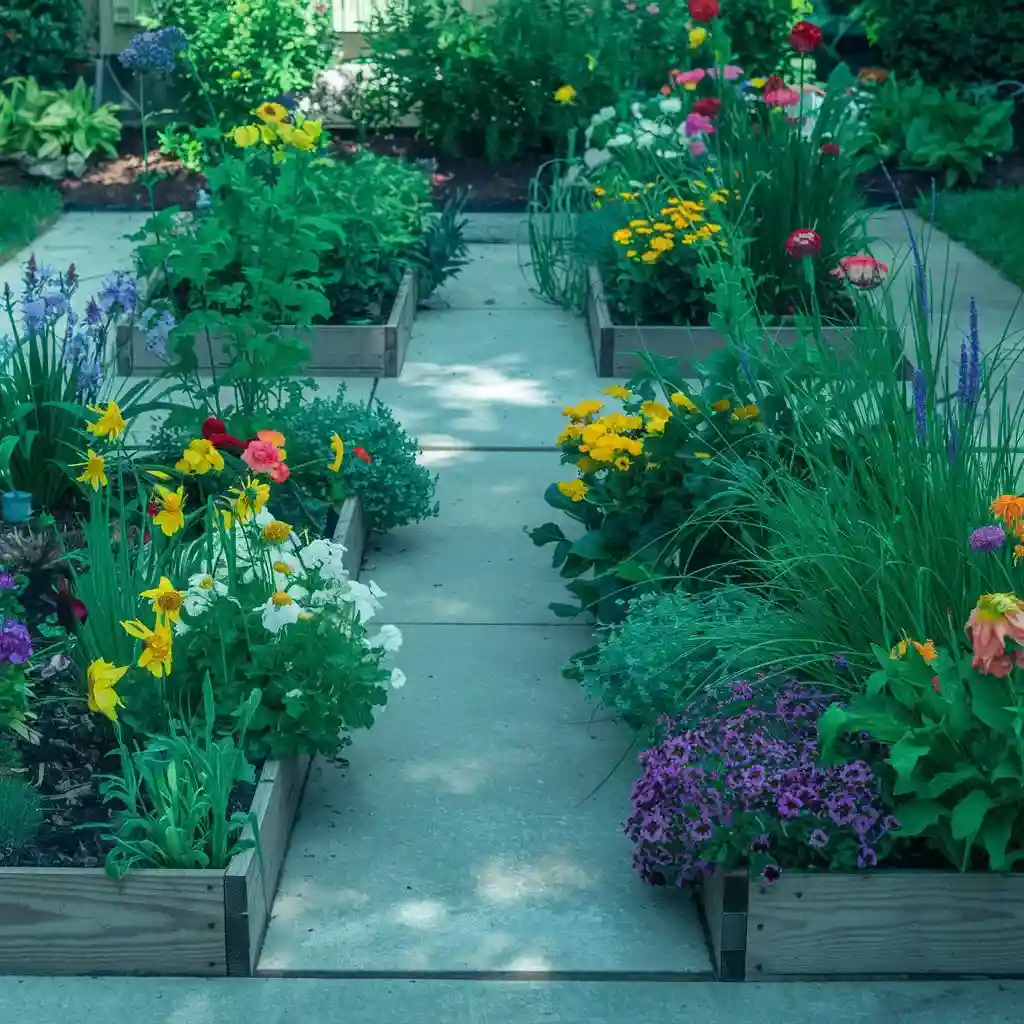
920, 396
974, 372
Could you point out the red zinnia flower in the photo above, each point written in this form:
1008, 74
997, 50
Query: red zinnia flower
830, 148
362, 453
703, 10
803, 242
708, 106
805, 37
211, 426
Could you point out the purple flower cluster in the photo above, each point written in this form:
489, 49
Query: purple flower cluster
744, 787
154, 52
920, 404
157, 327
15, 642
7, 581
988, 538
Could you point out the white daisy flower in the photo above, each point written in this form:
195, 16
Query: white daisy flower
388, 639
282, 609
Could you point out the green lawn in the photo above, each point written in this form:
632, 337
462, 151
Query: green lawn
990, 222
24, 212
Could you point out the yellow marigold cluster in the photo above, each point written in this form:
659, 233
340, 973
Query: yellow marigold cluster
681, 221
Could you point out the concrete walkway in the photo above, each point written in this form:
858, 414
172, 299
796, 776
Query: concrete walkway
477, 832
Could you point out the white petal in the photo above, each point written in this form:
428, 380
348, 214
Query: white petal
397, 679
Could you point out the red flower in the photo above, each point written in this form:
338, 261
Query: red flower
71, 277
227, 443
805, 37
152, 508
71, 612
703, 10
708, 106
830, 149
362, 453
935, 684
666, 90
803, 242
212, 426
861, 271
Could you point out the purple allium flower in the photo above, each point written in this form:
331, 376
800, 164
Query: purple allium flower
15, 642
988, 538
818, 839
771, 873
920, 397
154, 51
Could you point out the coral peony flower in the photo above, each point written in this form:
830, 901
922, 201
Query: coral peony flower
861, 271
703, 10
262, 456
803, 242
805, 37
707, 106
995, 619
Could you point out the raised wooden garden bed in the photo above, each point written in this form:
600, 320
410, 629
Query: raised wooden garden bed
361, 350
903, 923
617, 348
65, 921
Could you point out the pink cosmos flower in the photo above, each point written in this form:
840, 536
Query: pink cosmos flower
730, 72
262, 456
697, 148
690, 78
698, 124
995, 619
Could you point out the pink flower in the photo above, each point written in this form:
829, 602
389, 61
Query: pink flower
730, 72
653, 8
803, 242
861, 271
778, 94
697, 148
995, 619
280, 473
690, 77
630, 7
698, 124
262, 456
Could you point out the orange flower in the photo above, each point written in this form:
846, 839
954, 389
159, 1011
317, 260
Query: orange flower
926, 650
1008, 507
996, 619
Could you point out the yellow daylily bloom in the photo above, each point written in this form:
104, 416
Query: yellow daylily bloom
166, 601
200, 457
271, 113
338, 448
684, 401
249, 498
110, 424
94, 471
157, 655
101, 678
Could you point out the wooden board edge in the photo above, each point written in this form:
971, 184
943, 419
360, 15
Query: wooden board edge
602, 329
723, 898
398, 328
251, 879
352, 534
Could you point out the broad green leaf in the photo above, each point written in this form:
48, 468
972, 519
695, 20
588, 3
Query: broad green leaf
565, 611
994, 836
548, 533
591, 545
989, 699
917, 816
969, 814
945, 781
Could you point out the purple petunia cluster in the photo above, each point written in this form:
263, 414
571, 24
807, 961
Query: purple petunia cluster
15, 642
744, 788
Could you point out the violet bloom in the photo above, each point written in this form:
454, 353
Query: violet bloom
698, 124
158, 327
867, 858
154, 52
6, 581
988, 538
920, 397
34, 312
839, 660
93, 313
118, 294
974, 371
841, 809
789, 805
15, 642
771, 873
818, 839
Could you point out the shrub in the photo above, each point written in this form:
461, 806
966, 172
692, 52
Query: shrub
40, 38
739, 786
248, 51
948, 41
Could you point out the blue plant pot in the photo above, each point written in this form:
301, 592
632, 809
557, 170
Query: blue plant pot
16, 506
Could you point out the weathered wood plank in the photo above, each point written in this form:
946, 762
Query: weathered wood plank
352, 534
399, 325
78, 921
251, 879
886, 922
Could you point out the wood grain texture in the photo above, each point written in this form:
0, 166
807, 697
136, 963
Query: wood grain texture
399, 325
916, 923
352, 534
78, 921
251, 879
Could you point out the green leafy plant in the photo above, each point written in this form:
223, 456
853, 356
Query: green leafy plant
174, 796
250, 51
924, 128
24, 213
21, 814
41, 38
55, 132
442, 251
953, 767
946, 41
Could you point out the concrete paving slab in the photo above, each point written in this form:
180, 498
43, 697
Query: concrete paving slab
493, 280
497, 377
384, 1001
497, 228
478, 829
475, 563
